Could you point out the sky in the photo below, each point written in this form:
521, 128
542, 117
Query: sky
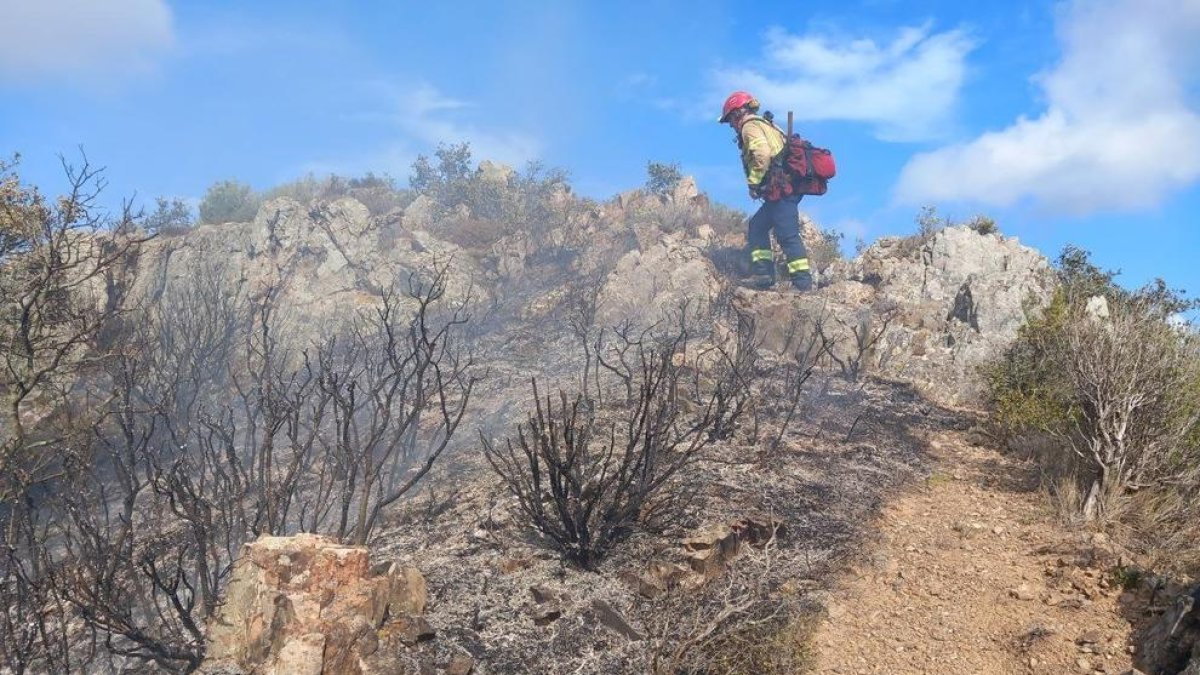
1066, 122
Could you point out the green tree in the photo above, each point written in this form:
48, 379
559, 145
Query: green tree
229, 201
661, 177
169, 215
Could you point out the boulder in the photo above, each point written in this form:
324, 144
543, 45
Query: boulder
930, 311
685, 191
324, 262
495, 172
649, 284
306, 604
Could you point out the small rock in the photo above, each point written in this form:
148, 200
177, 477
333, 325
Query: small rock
460, 665
612, 620
541, 594
412, 629
1023, 592
1083, 665
544, 615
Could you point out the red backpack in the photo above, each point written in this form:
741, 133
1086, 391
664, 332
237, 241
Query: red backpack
801, 168
810, 167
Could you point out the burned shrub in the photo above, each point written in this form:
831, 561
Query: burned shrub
587, 470
205, 430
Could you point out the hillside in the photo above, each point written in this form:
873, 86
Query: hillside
367, 373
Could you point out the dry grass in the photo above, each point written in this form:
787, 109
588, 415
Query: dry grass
773, 647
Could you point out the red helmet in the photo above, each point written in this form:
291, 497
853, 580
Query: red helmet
737, 100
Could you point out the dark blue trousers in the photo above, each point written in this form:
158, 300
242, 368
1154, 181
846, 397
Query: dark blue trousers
782, 217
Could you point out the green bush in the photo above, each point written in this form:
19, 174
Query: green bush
827, 249
497, 202
983, 225
170, 216
1112, 389
229, 201
661, 177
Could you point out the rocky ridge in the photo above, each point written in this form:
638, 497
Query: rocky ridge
927, 311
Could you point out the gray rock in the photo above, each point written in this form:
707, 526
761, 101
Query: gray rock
325, 262
495, 172
685, 191
955, 302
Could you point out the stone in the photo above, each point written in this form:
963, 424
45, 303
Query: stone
612, 620
542, 595
544, 615
935, 309
460, 665
419, 214
1097, 307
495, 173
411, 629
685, 190
306, 604
1023, 592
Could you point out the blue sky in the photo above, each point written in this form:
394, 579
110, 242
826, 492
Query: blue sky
1074, 121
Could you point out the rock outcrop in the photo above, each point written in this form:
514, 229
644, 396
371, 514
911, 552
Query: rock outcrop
322, 260
928, 311
305, 605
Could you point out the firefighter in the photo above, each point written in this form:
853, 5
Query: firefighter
760, 142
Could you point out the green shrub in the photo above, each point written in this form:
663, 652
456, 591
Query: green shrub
229, 201
827, 249
170, 216
532, 201
1115, 397
661, 178
983, 225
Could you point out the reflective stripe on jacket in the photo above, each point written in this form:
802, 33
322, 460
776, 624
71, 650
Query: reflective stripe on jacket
761, 142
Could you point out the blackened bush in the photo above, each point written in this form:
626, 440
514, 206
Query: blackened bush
586, 474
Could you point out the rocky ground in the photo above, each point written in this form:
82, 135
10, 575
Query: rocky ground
969, 573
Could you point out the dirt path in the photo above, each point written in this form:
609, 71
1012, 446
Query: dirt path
973, 575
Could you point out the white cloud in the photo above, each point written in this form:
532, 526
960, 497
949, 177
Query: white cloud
428, 116
1117, 132
82, 38
906, 89
422, 116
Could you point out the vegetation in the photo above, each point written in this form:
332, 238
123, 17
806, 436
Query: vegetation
587, 472
229, 201
141, 446
826, 250
170, 216
1111, 380
661, 178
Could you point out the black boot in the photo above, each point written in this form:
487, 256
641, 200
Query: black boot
762, 276
802, 281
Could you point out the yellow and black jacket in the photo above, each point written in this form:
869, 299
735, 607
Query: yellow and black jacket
760, 141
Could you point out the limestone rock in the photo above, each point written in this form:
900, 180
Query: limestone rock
685, 191
930, 311
324, 263
650, 283
495, 172
306, 604
419, 214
